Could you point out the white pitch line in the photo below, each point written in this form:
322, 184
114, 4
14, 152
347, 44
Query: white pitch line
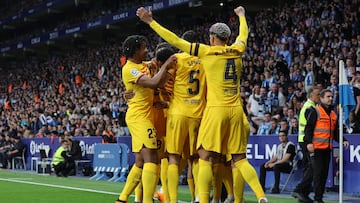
64, 187
58, 186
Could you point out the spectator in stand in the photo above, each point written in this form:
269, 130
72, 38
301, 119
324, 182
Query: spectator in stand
290, 93
356, 87
275, 98
263, 123
108, 135
293, 129
285, 54
122, 121
284, 126
310, 76
274, 127
254, 105
269, 80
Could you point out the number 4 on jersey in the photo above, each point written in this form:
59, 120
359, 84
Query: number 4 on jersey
230, 71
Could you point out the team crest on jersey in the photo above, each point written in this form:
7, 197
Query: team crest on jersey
135, 72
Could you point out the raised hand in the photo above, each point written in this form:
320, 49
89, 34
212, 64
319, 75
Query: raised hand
144, 15
240, 11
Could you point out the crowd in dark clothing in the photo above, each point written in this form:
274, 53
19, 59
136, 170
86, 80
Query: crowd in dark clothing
79, 13
290, 48
10, 147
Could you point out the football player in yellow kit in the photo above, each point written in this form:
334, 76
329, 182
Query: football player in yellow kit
136, 77
221, 129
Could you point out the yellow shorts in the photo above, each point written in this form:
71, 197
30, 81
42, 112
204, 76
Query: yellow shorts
181, 134
238, 144
160, 126
143, 134
222, 130
161, 151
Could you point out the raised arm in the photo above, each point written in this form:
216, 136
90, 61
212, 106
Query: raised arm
241, 39
160, 78
167, 35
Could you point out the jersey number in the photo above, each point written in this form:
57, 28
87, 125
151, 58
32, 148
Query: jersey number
192, 79
151, 133
230, 71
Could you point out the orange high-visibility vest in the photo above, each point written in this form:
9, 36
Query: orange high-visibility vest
324, 129
24, 85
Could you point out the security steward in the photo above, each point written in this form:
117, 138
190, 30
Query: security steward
303, 189
62, 162
321, 129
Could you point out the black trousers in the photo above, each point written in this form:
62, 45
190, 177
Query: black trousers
320, 162
305, 184
64, 168
278, 168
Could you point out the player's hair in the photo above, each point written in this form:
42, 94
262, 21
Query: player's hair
189, 36
164, 53
132, 44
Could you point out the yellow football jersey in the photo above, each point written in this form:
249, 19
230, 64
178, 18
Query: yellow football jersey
222, 65
140, 106
189, 88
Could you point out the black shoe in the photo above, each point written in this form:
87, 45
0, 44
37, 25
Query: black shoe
318, 201
300, 196
60, 174
275, 191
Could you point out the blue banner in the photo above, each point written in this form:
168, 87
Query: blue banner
87, 145
34, 10
91, 24
106, 155
259, 150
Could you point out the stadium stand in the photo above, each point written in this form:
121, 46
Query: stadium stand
316, 34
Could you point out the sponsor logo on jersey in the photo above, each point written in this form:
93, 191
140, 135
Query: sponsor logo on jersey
135, 72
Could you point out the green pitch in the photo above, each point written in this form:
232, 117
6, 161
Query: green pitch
16, 187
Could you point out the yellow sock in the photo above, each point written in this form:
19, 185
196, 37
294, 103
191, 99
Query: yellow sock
227, 178
204, 180
149, 179
191, 188
173, 182
195, 172
238, 185
132, 181
138, 193
163, 178
249, 174
217, 181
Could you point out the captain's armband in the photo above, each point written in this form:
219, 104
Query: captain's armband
240, 42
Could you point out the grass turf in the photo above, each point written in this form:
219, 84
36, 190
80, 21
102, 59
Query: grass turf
18, 187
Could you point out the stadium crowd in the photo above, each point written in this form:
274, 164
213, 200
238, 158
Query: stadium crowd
290, 49
81, 12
